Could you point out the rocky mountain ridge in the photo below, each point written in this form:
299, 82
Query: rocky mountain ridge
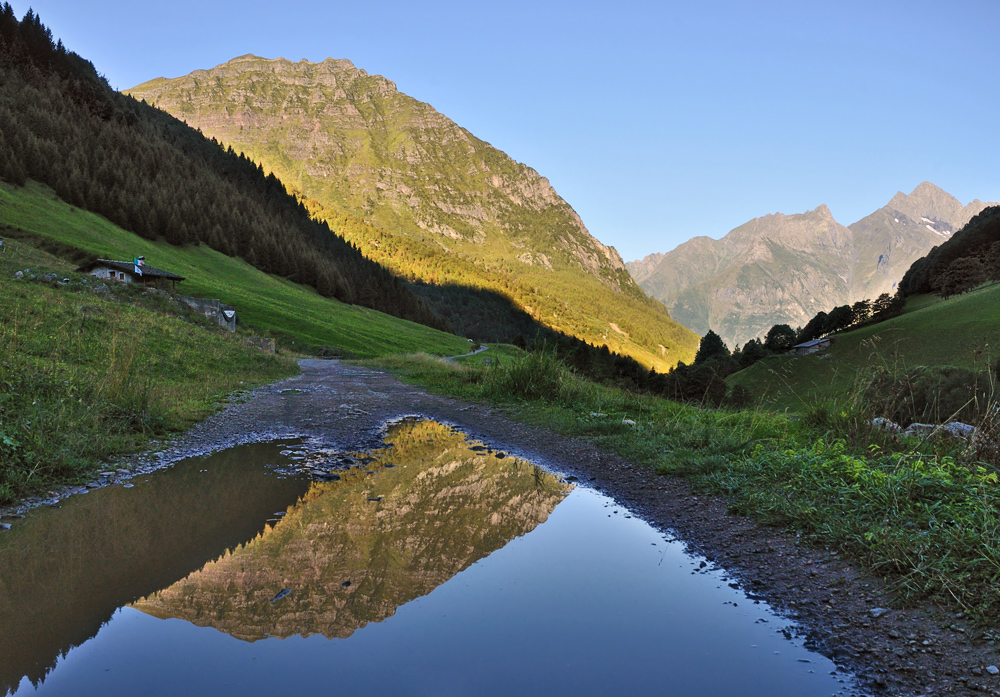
786, 268
439, 205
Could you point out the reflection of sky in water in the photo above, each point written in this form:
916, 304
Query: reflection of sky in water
589, 603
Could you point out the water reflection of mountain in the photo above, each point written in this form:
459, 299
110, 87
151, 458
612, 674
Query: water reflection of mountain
63, 573
348, 559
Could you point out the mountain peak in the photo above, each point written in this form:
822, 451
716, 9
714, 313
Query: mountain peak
253, 62
926, 188
926, 200
931, 205
454, 207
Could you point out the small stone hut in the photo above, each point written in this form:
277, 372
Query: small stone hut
125, 272
807, 347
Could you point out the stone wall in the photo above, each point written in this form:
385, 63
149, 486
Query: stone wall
213, 308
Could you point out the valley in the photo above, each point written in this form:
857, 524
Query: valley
440, 386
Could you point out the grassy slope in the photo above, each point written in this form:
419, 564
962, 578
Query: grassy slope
962, 331
270, 304
88, 371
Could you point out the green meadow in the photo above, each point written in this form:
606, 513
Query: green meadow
92, 369
297, 316
962, 331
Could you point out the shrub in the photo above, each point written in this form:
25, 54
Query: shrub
935, 394
535, 375
739, 397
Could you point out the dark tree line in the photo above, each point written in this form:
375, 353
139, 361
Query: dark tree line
704, 381
842, 317
970, 258
61, 124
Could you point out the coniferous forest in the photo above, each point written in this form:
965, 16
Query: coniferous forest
61, 124
969, 258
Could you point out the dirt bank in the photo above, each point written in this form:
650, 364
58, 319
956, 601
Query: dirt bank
845, 613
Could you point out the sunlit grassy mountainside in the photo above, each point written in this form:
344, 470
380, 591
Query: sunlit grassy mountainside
423, 196
783, 269
270, 304
963, 331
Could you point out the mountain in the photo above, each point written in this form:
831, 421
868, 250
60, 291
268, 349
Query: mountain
425, 197
779, 268
890, 239
783, 269
62, 125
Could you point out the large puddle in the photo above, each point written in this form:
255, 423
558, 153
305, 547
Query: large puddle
439, 567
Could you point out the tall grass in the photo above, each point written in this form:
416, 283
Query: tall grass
535, 375
83, 378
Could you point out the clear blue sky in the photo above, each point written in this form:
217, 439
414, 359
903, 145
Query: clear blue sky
657, 121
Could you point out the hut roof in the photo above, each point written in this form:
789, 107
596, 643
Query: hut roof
814, 342
127, 266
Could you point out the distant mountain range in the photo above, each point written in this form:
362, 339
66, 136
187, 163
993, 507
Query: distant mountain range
424, 197
786, 268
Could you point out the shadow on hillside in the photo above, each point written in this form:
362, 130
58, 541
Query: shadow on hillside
481, 314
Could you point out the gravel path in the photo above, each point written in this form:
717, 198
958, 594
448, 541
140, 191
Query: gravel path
845, 613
